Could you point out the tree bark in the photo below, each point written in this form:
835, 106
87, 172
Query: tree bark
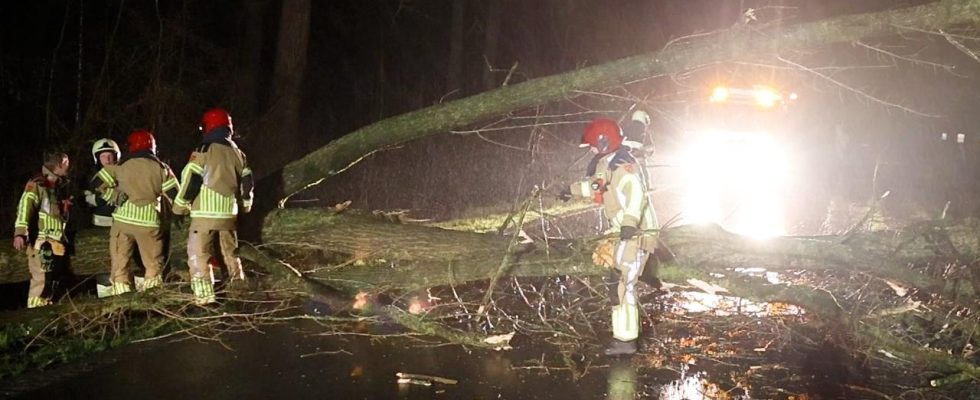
247, 88
428, 256
491, 41
738, 43
281, 129
454, 77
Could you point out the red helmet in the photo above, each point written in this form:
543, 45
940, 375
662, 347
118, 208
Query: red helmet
214, 118
140, 140
603, 134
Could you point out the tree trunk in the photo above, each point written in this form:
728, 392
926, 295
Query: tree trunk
454, 80
430, 256
491, 41
281, 129
385, 256
250, 64
739, 43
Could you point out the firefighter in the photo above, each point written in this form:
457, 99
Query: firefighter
39, 228
216, 185
618, 182
105, 152
136, 188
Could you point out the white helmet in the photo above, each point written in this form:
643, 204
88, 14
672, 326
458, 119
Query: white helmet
103, 145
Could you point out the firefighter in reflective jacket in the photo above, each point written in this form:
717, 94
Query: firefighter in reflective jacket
39, 227
136, 187
105, 152
618, 182
216, 185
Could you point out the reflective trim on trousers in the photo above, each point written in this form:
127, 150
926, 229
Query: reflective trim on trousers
150, 283
119, 288
630, 261
626, 322
33, 302
203, 290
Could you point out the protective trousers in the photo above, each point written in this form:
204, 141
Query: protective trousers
35, 294
122, 237
48, 265
630, 259
200, 244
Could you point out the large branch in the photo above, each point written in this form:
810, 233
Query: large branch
431, 256
739, 43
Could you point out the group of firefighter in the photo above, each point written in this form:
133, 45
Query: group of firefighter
130, 195
216, 185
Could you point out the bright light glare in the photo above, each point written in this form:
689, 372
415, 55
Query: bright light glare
766, 97
735, 180
719, 94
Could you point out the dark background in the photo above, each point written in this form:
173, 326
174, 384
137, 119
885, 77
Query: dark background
74, 71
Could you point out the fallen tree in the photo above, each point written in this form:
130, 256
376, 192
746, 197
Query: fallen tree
377, 256
743, 42
469, 256
339, 258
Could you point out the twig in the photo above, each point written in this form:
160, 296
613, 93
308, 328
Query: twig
437, 379
860, 92
505, 262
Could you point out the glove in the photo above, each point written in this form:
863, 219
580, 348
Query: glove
565, 194
90, 198
627, 233
641, 117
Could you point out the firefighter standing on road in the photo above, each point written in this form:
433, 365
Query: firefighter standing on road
215, 185
105, 152
39, 228
617, 181
136, 187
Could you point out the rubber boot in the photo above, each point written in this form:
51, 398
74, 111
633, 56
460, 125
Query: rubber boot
621, 348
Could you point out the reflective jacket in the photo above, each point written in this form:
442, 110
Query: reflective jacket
618, 182
101, 208
136, 186
216, 183
43, 206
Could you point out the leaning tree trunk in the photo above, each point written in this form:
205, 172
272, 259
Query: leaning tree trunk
739, 43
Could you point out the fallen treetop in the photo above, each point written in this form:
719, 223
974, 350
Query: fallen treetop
739, 43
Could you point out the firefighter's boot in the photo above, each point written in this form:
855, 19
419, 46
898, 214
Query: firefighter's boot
620, 348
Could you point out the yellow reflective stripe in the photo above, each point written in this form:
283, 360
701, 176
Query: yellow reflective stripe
626, 322
108, 194
211, 204
49, 226
148, 215
246, 171
119, 288
630, 194
169, 184
27, 204
185, 179
106, 177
